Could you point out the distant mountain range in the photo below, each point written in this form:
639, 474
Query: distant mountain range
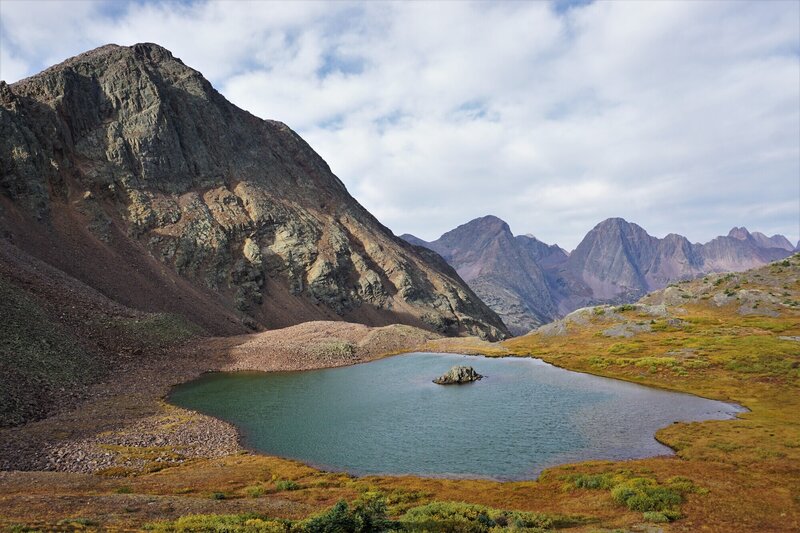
528, 282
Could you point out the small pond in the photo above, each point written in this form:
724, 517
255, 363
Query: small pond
387, 417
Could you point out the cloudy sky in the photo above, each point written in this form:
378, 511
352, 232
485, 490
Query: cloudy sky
681, 116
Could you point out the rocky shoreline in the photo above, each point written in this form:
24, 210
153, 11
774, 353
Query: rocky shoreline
125, 426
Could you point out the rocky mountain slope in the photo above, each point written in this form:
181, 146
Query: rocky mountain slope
776, 241
124, 168
505, 271
135, 201
530, 283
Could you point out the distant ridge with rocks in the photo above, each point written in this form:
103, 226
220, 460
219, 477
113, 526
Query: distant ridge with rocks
529, 283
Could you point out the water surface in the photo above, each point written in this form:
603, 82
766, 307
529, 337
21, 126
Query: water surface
387, 417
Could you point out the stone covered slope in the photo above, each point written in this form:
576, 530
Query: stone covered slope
59, 337
768, 291
124, 168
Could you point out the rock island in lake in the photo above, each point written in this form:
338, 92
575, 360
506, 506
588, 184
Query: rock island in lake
458, 374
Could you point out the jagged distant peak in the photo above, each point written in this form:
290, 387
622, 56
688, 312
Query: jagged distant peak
618, 225
488, 223
617, 261
776, 241
740, 233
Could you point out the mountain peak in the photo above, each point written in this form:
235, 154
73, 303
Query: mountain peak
739, 233
155, 53
615, 229
481, 228
145, 148
489, 223
614, 222
91, 62
776, 241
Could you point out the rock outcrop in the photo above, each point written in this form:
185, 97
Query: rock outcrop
124, 168
504, 270
528, 282
458, 375
776, 241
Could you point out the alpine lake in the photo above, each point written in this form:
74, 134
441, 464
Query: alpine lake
388, 417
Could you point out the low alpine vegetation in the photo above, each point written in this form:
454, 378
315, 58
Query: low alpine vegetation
286, 484
369, 514
657, 502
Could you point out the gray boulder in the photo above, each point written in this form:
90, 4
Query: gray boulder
458, 374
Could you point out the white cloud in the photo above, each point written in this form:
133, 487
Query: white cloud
681, 116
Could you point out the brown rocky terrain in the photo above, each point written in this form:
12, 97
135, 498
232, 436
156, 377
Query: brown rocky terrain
320, 344
529, 283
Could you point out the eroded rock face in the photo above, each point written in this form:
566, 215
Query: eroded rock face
155, 160
457, 375
504, 271
529, 283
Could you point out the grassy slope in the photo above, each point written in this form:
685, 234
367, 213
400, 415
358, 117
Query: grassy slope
46, 360
740, 475
752, 464
38, 356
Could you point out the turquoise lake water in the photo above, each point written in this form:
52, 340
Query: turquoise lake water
387, 417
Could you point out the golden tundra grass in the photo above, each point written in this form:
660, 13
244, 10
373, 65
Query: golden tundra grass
744, 474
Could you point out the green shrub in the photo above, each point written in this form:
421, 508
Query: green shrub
255, 491
158, 329
218, 496
642, 494
462, 517
368, 515
39, 356
659, 502
592, 481
337, 519
661, 517
655, 516
404, 499
243, 523
370, 512
685, 485
286, 484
